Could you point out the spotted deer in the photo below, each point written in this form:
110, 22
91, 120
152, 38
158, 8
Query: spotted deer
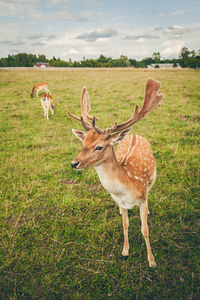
128, 174
46, 101
38, 87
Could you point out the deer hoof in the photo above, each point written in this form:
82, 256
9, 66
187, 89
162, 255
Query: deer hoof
124, 257
152, 264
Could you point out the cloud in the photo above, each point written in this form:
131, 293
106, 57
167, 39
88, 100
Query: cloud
18, 43
172, 48
179, 12
13, 7
96, 3
70, 52
38, 44
140, 37
9, 31
6, 42
35, 36
51, 36
176, 29
97, 34
66, 16
36, 14
12, 43
61, 1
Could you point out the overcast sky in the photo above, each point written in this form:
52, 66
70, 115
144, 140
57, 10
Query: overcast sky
88, 28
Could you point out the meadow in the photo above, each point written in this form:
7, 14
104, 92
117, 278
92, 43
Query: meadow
61, 234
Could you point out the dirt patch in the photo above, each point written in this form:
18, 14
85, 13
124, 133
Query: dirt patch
68, 181
183, 118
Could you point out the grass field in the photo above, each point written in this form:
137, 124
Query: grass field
61, 233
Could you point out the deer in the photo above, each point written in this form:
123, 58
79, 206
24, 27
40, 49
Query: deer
128, 174
38, 87
46, 101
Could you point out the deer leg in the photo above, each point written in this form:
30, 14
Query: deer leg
125, 223
43, 108
145, 232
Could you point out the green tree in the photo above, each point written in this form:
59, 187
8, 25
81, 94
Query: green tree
156, 57
133, 62
145, 62
102, 59
122, 62
184, 54
42, 58
193, 53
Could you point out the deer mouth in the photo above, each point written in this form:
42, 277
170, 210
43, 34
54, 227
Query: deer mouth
76, 166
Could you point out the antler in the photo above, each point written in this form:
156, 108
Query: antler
85, 108
150, 102
106, 131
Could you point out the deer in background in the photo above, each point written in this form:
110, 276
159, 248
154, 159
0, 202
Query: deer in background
38, 87
128, 174
46, 102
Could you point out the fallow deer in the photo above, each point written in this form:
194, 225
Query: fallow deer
46, 101
38, 87
128, 174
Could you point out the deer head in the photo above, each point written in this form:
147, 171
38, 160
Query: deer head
98, 143
54, 106
31, 94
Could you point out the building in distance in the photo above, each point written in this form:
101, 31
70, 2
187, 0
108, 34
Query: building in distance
42, 65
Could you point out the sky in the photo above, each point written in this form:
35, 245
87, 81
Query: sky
73, 29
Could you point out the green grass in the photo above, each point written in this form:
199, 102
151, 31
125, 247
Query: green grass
61, 233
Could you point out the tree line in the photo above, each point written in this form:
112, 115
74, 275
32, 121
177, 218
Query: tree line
187, 59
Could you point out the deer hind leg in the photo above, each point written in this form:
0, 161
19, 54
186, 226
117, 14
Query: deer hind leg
47, 91
125, 223
145, 232
43, 108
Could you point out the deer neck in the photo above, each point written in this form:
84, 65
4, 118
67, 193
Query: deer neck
111, 174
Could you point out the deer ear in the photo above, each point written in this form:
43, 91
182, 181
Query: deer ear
79, 134
118, 137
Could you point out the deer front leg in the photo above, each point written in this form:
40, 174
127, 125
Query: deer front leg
145, 232
125, 223
43, 108
47, 111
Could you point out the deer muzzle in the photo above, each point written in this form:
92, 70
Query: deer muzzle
74, 165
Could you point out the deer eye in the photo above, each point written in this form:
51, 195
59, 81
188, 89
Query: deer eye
98, 148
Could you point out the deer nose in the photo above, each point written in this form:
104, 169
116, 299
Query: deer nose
74, 165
